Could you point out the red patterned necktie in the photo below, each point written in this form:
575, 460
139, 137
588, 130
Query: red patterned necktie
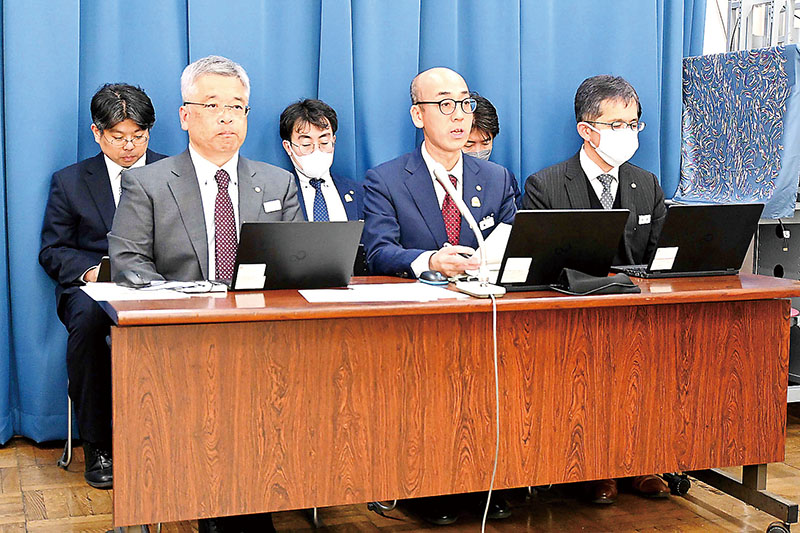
224, 229
451, 215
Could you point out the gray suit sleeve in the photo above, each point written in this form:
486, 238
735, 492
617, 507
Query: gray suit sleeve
130, 241
291, 204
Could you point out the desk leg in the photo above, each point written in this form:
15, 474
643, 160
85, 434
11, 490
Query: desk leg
750, 490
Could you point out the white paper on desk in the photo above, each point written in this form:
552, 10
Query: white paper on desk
495, 246
111, 292
381, 292
251, 276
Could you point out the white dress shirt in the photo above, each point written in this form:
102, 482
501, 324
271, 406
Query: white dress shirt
115, 174
206, 170
336, 212
591, 170
421, 263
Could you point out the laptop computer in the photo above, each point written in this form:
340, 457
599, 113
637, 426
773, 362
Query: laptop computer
700, 240
543, 242
295, 255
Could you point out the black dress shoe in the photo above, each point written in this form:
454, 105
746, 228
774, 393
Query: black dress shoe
99, 468
438, 510
251, 523
498, 507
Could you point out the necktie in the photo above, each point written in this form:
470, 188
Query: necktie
224, 229
606, 199
451, 216
320, 207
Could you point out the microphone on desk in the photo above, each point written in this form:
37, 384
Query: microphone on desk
481, 288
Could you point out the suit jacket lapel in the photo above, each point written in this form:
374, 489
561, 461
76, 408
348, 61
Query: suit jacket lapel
350, 208
99, 185
300, 196
469, 190
186, 192
250, 201
420, 188
575, 184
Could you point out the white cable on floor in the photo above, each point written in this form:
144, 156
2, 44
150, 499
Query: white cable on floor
496, 415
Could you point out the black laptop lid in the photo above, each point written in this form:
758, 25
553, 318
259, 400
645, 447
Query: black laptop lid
705, 238
543, 242
296, 255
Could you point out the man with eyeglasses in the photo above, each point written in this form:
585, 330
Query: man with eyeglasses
410, 224
308, 130
599, 177
80, 208
180, 219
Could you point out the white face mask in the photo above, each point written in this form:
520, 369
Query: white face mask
480, 154
616, 147
315, 164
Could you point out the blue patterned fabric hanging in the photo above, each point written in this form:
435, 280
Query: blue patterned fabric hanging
741, 129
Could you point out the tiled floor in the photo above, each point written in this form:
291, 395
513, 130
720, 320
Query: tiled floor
37, 496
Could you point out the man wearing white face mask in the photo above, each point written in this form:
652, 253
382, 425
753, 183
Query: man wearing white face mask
599, 177
308, 129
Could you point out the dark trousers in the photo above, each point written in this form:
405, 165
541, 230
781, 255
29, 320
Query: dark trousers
88, 364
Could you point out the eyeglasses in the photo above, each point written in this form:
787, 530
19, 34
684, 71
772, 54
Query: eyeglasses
308, 148
236, 110
617, 125
120, 142
448, 105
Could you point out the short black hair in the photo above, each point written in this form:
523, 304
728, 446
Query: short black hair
115, 102
309, 111
484, 118
595, 90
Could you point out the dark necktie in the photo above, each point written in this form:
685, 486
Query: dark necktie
320, 207
606, 200
451, 215
224, 229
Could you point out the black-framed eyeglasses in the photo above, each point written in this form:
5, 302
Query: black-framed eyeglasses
448, 105
212, 108
636, 125
119, 142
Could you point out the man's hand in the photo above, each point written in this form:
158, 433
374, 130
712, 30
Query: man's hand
450, 262
91, 274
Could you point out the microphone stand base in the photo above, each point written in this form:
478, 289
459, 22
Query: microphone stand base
479, 289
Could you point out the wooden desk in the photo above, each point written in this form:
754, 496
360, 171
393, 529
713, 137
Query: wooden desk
263, 402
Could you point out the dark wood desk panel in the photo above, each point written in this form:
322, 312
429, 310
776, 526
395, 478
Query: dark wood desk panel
295, 407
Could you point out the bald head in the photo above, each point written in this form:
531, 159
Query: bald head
428, 81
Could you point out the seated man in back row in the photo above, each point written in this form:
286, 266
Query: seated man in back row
81, 206
308, 130
599, 177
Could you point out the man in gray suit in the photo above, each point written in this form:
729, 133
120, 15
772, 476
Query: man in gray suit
607, 110
176, 220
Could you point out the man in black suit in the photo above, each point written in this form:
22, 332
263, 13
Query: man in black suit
608, 111
308, 130
80, 209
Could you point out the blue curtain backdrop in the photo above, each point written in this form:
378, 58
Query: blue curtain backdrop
527, 57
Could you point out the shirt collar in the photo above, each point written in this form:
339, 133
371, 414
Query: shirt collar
114, 169
457, 170
304, 180
591, 169
206, 170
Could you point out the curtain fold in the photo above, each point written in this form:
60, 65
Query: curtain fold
358, 55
